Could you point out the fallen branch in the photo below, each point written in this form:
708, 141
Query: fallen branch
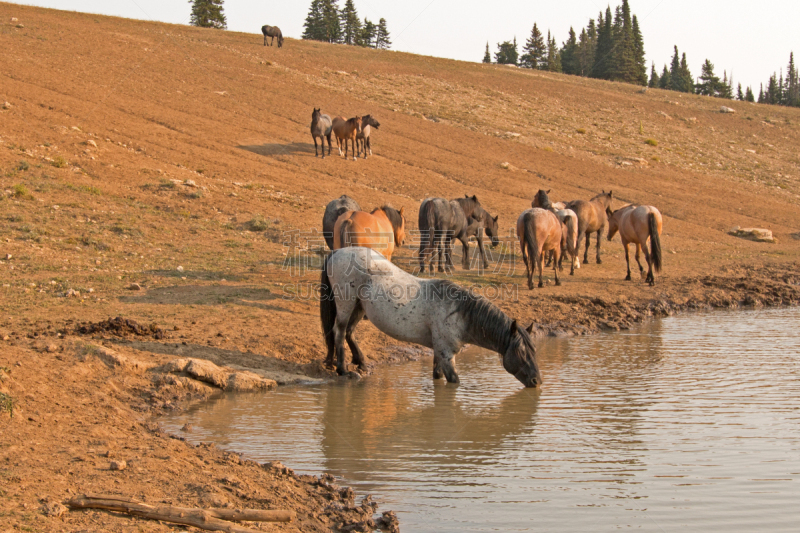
208, 519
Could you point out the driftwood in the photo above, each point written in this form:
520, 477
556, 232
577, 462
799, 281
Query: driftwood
208, 519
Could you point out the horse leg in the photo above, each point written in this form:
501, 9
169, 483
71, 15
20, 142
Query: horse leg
443, 363
557, 264
599, 232
650, 279
627, 260
353, 142
358, 355
316, 154
588, 237
368, 146
549, 258
638, 251
339, 329
479, 238
465, 263
539, 264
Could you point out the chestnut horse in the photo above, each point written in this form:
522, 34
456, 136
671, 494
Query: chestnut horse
381, 230
346, 130
636, 224
591, 218
539, 230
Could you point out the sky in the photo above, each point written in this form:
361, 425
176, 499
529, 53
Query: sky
749, 39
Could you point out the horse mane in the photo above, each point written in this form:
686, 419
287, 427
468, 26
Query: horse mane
469, 204
393, 215
352, 121
484, 319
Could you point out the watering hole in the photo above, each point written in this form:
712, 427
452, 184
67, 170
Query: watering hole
691, 422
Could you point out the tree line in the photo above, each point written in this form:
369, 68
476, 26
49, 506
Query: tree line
326, 22
612, 48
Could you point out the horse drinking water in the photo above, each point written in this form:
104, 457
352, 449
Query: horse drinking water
436, 313
637, 224
272, 31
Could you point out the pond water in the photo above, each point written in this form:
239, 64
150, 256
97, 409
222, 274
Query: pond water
691, 422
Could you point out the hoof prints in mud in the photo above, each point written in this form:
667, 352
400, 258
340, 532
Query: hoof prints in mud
121, 327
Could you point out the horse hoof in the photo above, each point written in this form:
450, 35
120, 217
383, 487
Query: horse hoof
558, 283
628, 277
541, 284
571, 272
599, 261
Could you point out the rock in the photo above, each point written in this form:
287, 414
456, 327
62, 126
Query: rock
506, 165
52, 509
753, 234
796, 236
187, 428
388, 522
190, 183
72, 293
51, 348
14, 19
20, 26
6, 105
725, 109
109, 356
248, 382
178, 365
8, 257
207, 372
134, 287
118, 465
179, 269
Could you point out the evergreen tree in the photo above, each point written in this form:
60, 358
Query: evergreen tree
772, 95
368, 31
726, 89
587, 48
208, 14
569, 55
332, 28
624, 68
314, 24
739, 93
487, 57
534, 51
665, 80
654, 79
382, 36
686, 75
749, 96
350, 23
709, 83
553, 55
675, 80
605, 47
640, 63
792, 89
761, 94
506, 53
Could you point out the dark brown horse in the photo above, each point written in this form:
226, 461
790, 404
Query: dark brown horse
591, 218
346, 130
272, 31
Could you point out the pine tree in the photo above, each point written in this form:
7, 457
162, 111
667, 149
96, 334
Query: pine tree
506, 53
331, 25
739, 93
487, 57
726, 89
624, 66
638, 54
350, 23
382, 36
535, 50
792, 90
587, 48
208, 14
368, 30
553, 60
749, 96
687, 81
654, 79
675, 80
604, 59
569, 55
314, 24
772, 96
709, 83
665, 80
761, 94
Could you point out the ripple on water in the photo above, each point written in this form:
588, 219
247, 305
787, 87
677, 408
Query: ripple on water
689, 422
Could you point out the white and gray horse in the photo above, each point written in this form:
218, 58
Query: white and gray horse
432, 312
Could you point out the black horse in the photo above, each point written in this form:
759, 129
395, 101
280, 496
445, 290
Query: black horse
441, 221
272, 31
333, 211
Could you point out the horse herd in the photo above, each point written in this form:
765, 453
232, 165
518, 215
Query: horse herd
355, 130
357, 280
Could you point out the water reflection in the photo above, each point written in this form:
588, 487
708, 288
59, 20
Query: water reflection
689, 422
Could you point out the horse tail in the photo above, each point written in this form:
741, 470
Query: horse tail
327, 306
655, 241
345, 230
530, 241
572, 234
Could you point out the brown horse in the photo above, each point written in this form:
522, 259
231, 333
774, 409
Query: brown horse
346, 130
363, 138
591, 217
539, 230
381, 230
636, 224
570, 220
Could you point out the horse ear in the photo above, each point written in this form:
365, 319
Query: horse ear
474, 197
402, 210
529, 329
495, 218
609, 194
513, 326
548, 191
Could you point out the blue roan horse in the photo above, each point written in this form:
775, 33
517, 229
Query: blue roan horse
434, 313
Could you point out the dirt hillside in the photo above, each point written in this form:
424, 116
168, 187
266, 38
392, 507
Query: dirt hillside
166, 174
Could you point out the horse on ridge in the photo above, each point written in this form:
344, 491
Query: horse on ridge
272, 31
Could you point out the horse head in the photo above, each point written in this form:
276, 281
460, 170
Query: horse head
542, 200
519, 360
492, 228
316, 114
613, 223
280, 41
400, 234
604, 198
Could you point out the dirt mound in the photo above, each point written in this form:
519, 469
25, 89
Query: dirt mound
121, 327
